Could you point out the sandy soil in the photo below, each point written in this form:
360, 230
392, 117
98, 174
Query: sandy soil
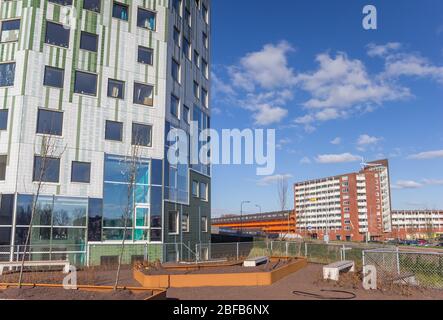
91, 276
158, 270
61, 294
307, 280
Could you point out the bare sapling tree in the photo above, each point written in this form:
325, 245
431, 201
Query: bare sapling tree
132, 164
282, 192
50, 149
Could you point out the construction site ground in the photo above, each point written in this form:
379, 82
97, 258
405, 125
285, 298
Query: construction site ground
308, 281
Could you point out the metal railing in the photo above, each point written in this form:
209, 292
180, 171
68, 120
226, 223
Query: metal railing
423, 269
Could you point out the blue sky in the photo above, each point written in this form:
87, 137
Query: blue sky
333, 91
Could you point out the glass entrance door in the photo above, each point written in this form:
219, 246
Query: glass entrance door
142, 219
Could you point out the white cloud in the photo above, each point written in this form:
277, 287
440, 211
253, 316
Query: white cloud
365, 139
407, 184
267, 68
305, 160
433, 182
411, 65
382, 50
337, 158
341, 86
269, 180
427, 155
219, 87
267, 115
336, 141
283, 142
411, 184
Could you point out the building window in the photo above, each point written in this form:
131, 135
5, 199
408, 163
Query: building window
145, 55
46, 169
120, 11
196, 90
116, 89
92, 5
173, 222
187, 18
204, 226
196, 59
146, 19
141, 135
204, 97
203, 191
205, 40
176, 37
10, 30
175, 106
143, 94
114, 131
3, 161
89, 41
85, 83
186, 48
57, 35
185, 223
81, 172
205, 14
195, 192
49, 122
205, 68
62, 2
53, 77
186, 114
4, 119
177, 5
7, 74
175, 71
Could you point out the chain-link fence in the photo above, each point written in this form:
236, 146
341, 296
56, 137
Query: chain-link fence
423, 269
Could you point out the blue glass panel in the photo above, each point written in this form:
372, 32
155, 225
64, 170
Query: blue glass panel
141, 194
70, 212
116, 205
156, 174
116, 169
24, 209
95, 213
43, 213
142, 217
156, 201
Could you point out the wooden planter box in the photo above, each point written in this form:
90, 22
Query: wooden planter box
219, 279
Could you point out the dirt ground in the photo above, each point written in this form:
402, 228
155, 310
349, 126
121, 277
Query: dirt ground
91, 276
61, 294
308, 280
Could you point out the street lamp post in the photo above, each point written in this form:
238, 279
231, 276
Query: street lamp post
241, 215
259, 207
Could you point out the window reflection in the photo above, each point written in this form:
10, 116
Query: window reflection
7, 74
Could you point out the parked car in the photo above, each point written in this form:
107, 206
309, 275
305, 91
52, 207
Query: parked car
422, 242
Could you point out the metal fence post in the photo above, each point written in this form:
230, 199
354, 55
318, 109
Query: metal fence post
272, 245
87, 254
306, 249
363, 257
287, 249
238, 253
398, 261
344, 253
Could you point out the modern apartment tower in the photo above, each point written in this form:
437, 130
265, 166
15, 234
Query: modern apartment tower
352, 207
86, 87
